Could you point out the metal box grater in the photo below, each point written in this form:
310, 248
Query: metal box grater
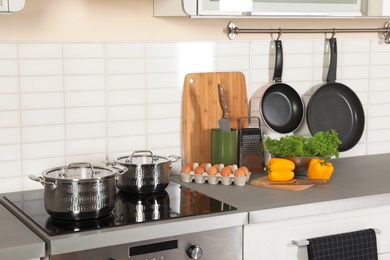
251, 150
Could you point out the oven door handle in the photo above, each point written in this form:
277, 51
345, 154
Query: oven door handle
42, 181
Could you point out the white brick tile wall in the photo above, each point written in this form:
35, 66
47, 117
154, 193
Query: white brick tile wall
9, 85
41, 117
45, 133
8, 51
83, 82
124, 50
43, 150
125, 128
10, 169
8, 67
39, 67
39, 50
125, 113
83, 50
9, 118
29, 101
85, 114
85, 131
9, 102
29, 84
67, 102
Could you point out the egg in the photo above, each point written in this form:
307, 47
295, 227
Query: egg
212, 171
239, 173
199, 170
204, 165
226, 171
245, 169
186, 169
191, 164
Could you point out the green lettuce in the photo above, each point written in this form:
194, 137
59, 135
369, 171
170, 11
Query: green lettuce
324, 144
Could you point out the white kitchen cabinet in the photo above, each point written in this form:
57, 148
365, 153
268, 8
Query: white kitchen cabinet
207, 8
273, 240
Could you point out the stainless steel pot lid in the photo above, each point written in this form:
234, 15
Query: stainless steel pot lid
143, 157
79, 171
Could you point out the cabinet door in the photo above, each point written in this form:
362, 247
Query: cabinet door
264, 8
273, 240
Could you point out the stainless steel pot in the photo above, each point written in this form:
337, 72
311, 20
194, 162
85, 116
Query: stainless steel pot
78, 191
146, 173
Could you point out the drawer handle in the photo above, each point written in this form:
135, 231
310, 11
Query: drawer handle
305, 242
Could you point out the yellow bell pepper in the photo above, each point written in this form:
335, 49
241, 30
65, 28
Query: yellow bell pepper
280, 175
280, 164
280, 169
320, 169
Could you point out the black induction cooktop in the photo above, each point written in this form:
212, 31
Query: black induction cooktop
174, 202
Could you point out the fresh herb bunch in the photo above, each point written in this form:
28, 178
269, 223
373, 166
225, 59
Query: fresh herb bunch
324, 144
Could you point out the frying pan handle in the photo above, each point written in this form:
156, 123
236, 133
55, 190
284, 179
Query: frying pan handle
332, 73
278, 62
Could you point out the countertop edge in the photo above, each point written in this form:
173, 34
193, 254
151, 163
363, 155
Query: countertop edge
318, 208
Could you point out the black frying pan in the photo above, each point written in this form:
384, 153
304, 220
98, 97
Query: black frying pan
336, 106
281, 106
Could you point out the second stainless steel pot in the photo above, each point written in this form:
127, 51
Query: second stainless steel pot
146, 173
78, 191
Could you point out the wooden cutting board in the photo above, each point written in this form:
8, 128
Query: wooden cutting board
265, 182
201, 109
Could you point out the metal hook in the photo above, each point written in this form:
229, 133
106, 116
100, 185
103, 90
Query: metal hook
333, 33
279, 34
386, 34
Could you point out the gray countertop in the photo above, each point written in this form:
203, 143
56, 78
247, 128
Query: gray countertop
17, 241
357, 182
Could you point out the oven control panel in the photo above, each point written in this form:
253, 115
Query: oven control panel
203, 245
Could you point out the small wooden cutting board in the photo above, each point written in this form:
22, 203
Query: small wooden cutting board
201, 109
265, 182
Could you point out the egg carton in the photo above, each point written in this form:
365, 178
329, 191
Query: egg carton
225, 180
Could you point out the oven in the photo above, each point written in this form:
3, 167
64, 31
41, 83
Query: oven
177, 223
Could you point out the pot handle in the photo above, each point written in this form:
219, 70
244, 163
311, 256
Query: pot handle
174, 157
120, 169
140, 151
42, 181
78, 165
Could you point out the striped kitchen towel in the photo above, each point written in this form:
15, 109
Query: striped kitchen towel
358, 245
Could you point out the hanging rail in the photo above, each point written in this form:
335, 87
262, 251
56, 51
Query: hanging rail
233, 30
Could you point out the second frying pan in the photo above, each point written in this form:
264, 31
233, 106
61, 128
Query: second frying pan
336, 106
281, 106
